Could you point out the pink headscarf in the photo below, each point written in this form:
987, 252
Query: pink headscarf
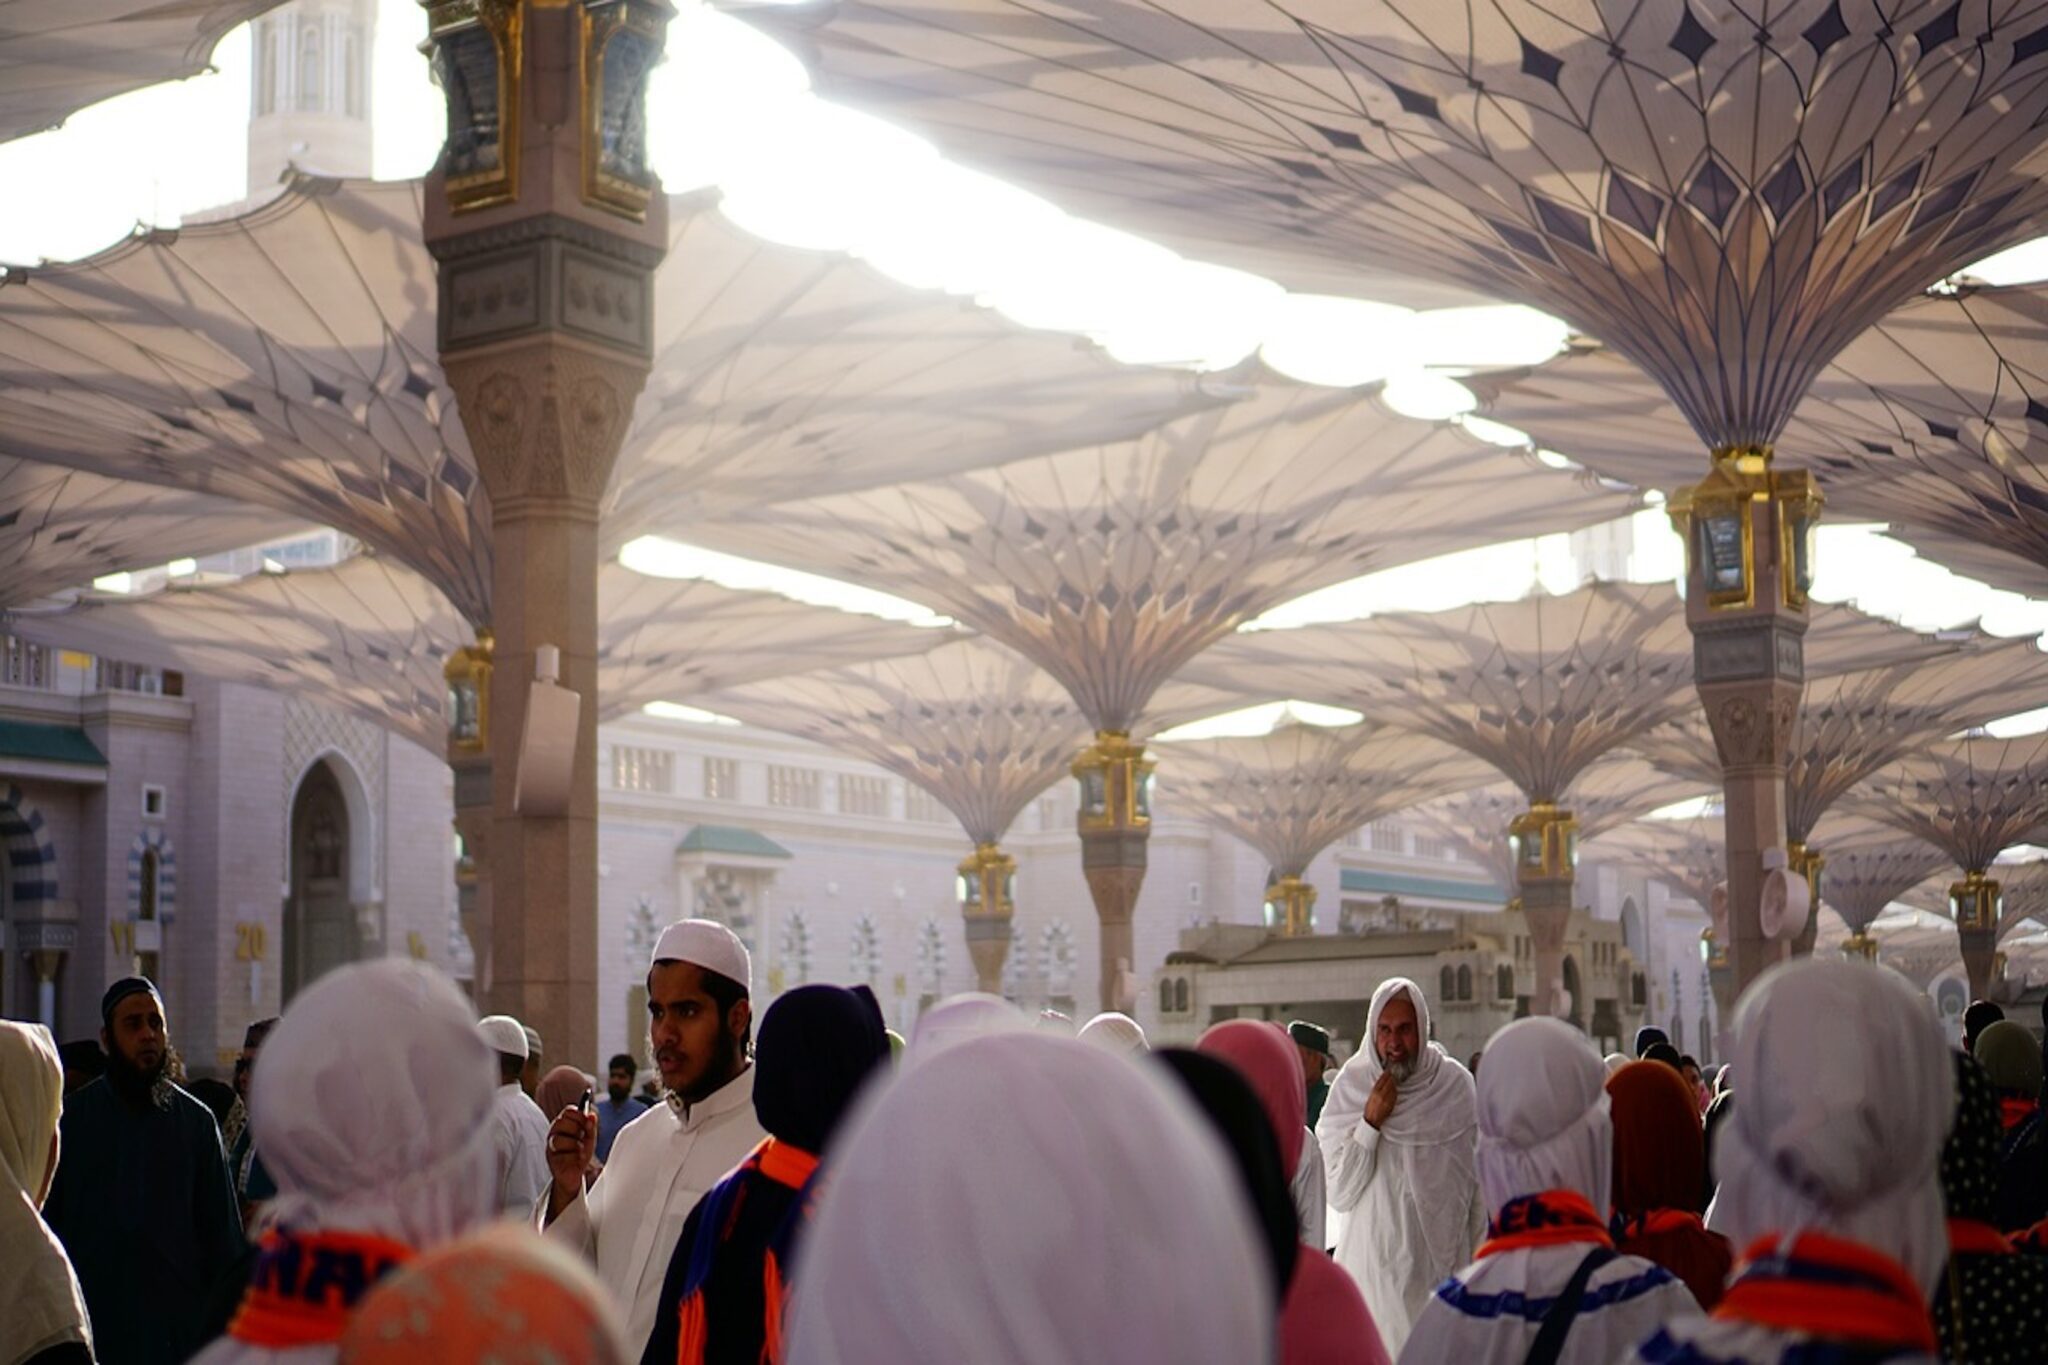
1323, 1320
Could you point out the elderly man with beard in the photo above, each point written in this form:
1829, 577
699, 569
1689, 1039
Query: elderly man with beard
1399, 1135
142, 1200
699, 1022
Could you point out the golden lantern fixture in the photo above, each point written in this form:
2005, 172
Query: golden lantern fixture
1116, 784
622, 44
468, 675
1291, 906
1860, 944
1544, 842
1717, 518
987, 883
1976, 901
476, 48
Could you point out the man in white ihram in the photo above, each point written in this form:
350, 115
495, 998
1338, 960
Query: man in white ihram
699, 1023
1399, 1135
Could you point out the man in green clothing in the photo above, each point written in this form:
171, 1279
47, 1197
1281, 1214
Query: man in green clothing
142, 1199
1312, 1042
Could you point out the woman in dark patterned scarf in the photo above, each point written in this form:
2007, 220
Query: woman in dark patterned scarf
1992, 1305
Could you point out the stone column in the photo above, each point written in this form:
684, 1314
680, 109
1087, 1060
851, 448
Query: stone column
1975, 903
547, 228
1746, 605
1115, 823
1544, 844
987, 885
48, 965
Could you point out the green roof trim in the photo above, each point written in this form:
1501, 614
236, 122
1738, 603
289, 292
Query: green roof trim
733, 840
1400, 884
49, 744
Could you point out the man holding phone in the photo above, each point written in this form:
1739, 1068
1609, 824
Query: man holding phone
699, 1021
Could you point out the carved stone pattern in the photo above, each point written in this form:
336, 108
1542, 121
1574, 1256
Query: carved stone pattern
1114, 891
1744, 737
549, 418
311, 730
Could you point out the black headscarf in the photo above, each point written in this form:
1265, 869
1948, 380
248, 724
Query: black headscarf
1238, 1117
1991, 1307
816, 1046
1646, 1035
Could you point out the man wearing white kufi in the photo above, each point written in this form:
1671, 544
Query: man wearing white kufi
1829, 1169
1547, 1284
518, 1128
1397, 1135
699, 1023
372, 1107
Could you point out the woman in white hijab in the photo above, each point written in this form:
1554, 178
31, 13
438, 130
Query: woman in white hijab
1407, 1191
1547, 1285
971, 1014
371, 1106
1020, 1199
1829, 1171
42, 1313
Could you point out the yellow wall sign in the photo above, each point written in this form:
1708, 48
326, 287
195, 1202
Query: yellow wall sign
250, 942
416, 945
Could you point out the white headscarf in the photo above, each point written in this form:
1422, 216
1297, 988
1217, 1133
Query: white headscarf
42, 1303
371, 1106
1543, 1115
1847, 1098
1020, 1199
1113, 1032
960, 1017
1435, 1104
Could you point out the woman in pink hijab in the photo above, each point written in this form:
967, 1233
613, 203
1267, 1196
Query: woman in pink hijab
1323, 1319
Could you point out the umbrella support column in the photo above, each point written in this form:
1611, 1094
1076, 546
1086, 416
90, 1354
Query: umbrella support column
1115, 823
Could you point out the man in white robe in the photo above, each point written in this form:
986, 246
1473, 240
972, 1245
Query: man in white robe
1399, 1136
699, 1025
518, 1128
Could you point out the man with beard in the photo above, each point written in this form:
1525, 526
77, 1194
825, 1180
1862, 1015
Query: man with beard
1399, 1135
699, 1023
142, 1199
619, 1107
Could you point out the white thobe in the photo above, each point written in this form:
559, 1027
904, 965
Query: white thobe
662, 1163
520, 1134
1490, 1312
1311, 1213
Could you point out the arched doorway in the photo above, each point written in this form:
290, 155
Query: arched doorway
319, 923
1575, 993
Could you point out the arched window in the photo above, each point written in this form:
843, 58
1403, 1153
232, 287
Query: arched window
1464, 983
1447, 984
1504, 982
1165, 996
351, 76
152, 878
1180, 996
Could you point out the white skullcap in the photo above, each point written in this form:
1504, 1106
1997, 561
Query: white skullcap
1113, 1032
504, 1033
960, 1017
1543, 1115
707, 944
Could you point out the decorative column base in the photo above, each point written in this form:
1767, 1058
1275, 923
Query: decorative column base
1807, 862
1291, 907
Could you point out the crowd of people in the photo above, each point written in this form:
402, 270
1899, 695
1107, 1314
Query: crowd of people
389, 1179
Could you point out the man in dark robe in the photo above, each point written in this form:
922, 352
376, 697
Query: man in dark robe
1312, 1045
142, 1199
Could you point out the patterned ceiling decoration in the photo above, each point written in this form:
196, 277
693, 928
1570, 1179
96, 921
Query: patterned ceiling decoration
1861, 882
60, 529
2023, 893
980, 728
1971, 798
1726, 194
1935, 420
370, 636
1292, 793
1540, 688
1609, 793
1853, 724
286, 357
1112, 567
58, 56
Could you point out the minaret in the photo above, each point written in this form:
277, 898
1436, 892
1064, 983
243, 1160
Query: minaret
309, 99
